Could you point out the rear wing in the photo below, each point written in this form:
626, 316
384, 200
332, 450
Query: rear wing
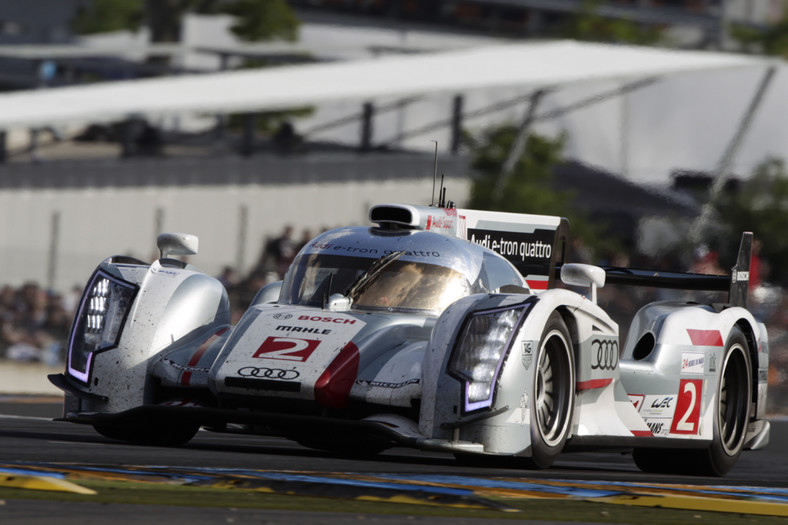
737, 284
534, 244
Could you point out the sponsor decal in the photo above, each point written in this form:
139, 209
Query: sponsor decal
656, 411
528, 354
662, 402
327, 246
511, 244
356, 250
686, 418
384, 384
286, 348
303, 329
419, 253
436, 222
185, 368
604, 354
522, 413
737, 277
282, 317
637, 401
268, 373
712, 362
661, 406
156, 270
322, 319
692, 363
530, 252
705, 337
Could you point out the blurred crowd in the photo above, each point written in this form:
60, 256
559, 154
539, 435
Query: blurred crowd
35, 322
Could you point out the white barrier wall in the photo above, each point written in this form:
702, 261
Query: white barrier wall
56, 237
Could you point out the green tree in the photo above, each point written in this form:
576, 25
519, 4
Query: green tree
759, 205
773, 40
254, 19
102, 16
263, 20
587, 25
529, 187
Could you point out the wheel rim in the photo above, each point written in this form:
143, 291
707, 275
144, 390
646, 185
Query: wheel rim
733, 401
554, 379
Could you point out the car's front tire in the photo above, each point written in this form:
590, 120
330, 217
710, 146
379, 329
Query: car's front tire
554, 393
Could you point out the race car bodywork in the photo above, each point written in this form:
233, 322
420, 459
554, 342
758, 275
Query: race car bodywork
437, 328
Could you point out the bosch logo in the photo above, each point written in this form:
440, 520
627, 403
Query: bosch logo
321, 319
606, 354
268, 373
282, 316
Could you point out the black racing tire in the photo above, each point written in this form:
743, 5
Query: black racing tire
168, 434
731, 416
553, 402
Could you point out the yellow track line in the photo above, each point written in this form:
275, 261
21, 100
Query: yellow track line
16, 481
698, 503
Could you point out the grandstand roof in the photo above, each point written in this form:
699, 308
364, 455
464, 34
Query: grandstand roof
528, 65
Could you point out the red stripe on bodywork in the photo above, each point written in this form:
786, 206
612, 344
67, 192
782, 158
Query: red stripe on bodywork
332, 388
534, 284
186, 377
642, 433
705, 337
592, 384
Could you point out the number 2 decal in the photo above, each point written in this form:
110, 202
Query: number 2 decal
287, 348
686, 419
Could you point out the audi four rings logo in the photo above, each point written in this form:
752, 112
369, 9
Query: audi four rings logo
268, 373
606, 354
282, 316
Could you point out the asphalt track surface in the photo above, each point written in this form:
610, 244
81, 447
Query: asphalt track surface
28, 435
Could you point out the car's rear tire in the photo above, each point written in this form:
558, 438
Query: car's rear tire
732, 413
731, 416
553, 400
167, 434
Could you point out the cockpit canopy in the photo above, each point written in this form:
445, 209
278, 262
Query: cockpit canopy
406, 271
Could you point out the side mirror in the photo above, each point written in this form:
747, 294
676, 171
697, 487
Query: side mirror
177, 244
576, 274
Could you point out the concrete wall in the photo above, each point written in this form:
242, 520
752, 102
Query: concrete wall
59, 220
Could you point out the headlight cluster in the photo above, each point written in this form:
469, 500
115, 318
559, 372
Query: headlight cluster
480, 351
97, 327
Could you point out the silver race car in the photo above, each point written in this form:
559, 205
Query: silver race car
437, 328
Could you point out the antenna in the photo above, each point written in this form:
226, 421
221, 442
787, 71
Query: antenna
442, 195
434, 173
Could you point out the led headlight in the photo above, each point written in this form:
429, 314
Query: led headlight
97, 326
480, 350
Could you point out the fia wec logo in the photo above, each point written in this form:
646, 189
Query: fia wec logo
286, 348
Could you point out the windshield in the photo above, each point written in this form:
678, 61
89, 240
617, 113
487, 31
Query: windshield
399, 285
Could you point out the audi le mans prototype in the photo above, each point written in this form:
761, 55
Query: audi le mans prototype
437, 328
